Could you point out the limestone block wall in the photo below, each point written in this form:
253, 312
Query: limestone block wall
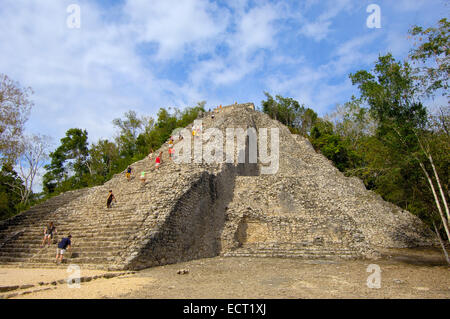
193, 227
286, 215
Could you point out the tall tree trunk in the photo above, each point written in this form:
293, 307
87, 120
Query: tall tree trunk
444, 200
442, 243
436, 200
426, 150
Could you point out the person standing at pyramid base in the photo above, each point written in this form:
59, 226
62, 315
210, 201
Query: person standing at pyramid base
64, 244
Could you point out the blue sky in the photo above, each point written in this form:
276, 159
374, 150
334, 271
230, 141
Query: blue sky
143, 55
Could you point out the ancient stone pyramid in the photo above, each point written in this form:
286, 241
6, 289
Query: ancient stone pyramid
307, 209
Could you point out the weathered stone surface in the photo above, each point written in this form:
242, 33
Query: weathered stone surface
183, 271
26, 286
308, 209
8, 288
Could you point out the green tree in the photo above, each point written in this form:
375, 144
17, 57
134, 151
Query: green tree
353, 121
432, 52
68, 164
307, 119
332, 146
103, 160
286, 110
402, 127
129, 128
10, 194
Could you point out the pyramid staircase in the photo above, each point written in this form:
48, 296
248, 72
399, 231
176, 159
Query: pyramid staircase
308, 209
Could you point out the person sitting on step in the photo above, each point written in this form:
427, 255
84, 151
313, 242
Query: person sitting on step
64, 244
48, 234
111, 198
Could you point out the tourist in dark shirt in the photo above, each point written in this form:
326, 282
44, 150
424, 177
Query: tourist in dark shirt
110, 199
129, 173
48, 234
64, 244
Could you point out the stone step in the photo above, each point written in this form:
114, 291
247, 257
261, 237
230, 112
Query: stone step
310, 247
298, 252
310, 252
105, 224
52, 265
79, 235
81, 232
80, 225
77, 260
85, 247
110, 226
80, 260
76, 254
93, 205
76, 240
97, 215
80, 245
81, 222
290, 255
36, 249
86, 218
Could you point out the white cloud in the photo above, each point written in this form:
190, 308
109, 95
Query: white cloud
255, 29
317, 30
398, 43
81, 77
86, 77
173, 25
321, 27
354, 52
334, 8
313, 85
288, 60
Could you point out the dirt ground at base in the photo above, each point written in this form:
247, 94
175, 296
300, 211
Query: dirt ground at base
404, 274
23, 276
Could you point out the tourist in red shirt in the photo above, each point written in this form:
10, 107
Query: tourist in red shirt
158, 160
